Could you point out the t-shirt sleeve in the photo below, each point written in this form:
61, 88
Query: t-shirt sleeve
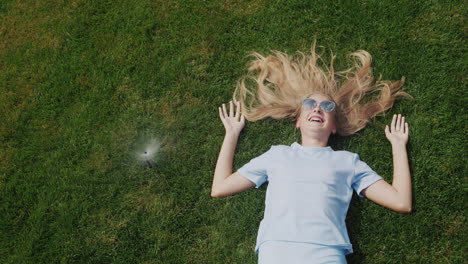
364, 176
256, 169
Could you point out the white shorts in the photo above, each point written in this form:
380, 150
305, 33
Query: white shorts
281, 252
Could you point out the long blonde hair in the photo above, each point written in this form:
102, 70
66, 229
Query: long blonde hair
276, 85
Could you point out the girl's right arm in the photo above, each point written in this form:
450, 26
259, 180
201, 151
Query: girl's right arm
226, 183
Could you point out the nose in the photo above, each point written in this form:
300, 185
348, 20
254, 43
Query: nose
317, 109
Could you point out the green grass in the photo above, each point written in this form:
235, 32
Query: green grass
83, 83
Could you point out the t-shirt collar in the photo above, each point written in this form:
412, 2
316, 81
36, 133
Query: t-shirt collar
296, 145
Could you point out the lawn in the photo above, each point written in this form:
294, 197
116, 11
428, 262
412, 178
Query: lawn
84, 85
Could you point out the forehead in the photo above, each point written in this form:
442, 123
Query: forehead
320, 97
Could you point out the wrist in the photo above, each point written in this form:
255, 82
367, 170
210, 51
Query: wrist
399, 146
232, 135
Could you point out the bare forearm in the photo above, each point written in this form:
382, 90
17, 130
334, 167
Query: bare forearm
396, 196
225, 159
401, 174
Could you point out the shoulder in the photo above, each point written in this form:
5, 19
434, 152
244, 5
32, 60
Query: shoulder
275, 149
345, 158
282, 149
278, 150
345, 154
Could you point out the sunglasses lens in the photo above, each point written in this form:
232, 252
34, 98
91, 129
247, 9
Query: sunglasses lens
309, 104
327, 106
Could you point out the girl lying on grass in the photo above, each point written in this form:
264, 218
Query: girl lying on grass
310, 184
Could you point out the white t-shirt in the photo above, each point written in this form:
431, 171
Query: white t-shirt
308, 194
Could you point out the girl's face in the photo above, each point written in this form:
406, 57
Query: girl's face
316, 119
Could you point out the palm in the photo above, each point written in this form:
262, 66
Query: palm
398, 131
233, 121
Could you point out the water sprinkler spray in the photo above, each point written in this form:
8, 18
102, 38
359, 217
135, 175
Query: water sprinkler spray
148, 159
147, 155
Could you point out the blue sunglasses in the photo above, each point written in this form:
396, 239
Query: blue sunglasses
327, 106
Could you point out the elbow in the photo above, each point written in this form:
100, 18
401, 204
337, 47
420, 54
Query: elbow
407, 210
214, 191
216, 194
404, 209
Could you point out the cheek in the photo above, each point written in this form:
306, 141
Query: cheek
299, 120
332, 121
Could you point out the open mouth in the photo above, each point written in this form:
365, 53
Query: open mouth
315, 119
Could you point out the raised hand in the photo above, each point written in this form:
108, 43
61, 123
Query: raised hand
398, 131
234, 121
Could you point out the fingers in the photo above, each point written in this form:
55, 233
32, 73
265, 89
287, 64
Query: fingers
237, 111
221, 115
402, 124
393, 124
234, 114
231, 109
398, 123
225, 111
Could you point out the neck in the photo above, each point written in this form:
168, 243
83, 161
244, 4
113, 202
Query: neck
314, 140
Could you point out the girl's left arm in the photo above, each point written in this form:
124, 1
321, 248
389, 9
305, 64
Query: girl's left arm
396, 196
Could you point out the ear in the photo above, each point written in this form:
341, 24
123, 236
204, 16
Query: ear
334, 125
334, 129
298, 123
